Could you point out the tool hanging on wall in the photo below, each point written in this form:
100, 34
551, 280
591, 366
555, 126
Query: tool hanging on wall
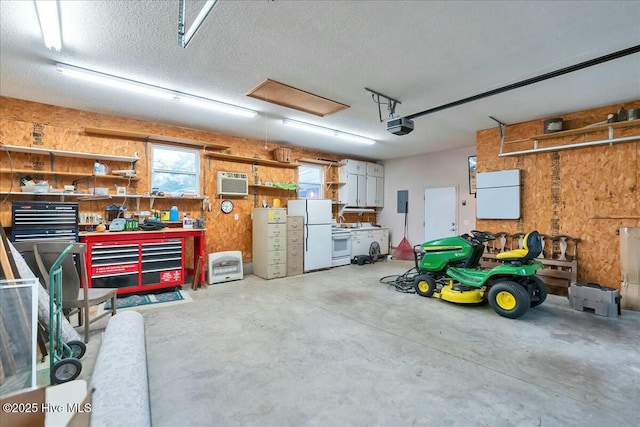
404, 250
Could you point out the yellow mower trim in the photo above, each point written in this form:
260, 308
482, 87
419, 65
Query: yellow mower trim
447, 293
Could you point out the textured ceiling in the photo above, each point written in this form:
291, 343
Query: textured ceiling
424, 54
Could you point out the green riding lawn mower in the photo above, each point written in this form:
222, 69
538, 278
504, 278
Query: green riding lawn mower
448, 269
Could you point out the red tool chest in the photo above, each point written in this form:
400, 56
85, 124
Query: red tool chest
135, 266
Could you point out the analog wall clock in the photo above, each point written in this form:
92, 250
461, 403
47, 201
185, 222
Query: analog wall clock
226, 206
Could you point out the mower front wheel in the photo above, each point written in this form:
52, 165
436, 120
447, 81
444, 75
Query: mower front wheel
425, 285
509, 299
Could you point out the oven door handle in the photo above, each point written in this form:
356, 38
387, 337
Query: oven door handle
341, 237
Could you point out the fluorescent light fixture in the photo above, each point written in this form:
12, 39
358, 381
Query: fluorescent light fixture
216, 105
147, 89
49, 23
116, 82
330, 132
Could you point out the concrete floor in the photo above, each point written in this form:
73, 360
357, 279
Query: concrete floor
339, 348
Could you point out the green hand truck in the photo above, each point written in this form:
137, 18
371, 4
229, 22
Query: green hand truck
64, 363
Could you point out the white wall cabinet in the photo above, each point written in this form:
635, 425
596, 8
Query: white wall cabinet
375, 191
374, 169
364, 184
356, 167
356, 190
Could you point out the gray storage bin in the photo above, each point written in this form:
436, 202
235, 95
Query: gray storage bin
602, 300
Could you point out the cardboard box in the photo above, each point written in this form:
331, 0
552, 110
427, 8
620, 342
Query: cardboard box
67, 404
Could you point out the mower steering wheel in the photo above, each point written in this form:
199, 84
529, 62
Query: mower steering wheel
482, 236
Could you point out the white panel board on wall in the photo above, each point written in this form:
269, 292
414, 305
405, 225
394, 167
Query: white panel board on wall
498, 194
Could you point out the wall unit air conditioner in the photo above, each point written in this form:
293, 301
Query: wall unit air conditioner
233, 184
225, 266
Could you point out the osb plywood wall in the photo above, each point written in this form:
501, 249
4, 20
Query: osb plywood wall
587, 192
31, 124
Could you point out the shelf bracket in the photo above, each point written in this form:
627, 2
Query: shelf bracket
501, 128
52, 162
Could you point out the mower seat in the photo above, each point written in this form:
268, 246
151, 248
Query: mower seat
532, 248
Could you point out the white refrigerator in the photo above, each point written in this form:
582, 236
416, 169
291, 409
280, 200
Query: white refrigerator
317, 217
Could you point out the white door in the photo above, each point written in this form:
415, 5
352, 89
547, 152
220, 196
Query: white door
440, 212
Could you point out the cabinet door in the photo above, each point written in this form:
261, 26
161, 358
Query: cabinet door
375, 191
349, 191
354, 192
372, 191
382, 237
379, 200
357, 246
362, 190
374, 169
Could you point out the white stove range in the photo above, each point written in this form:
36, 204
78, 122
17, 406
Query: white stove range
340, 246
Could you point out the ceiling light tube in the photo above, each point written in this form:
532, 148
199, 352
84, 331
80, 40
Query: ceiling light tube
49, 23
216, 105
330, 132
146, 89
116, 82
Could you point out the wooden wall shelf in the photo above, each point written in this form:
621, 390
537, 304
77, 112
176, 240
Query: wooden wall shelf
149, 137
106, 196
320, 162
616, 217
65, 153
264, 162
272, 187
583, 130
534, 140
71, 174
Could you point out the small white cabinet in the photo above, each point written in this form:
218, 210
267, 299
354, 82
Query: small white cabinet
361, 240
364, 184
356, 167
354, 191
374, 169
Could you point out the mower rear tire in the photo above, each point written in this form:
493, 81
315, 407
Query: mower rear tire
509, 299
425, 285
539, 291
